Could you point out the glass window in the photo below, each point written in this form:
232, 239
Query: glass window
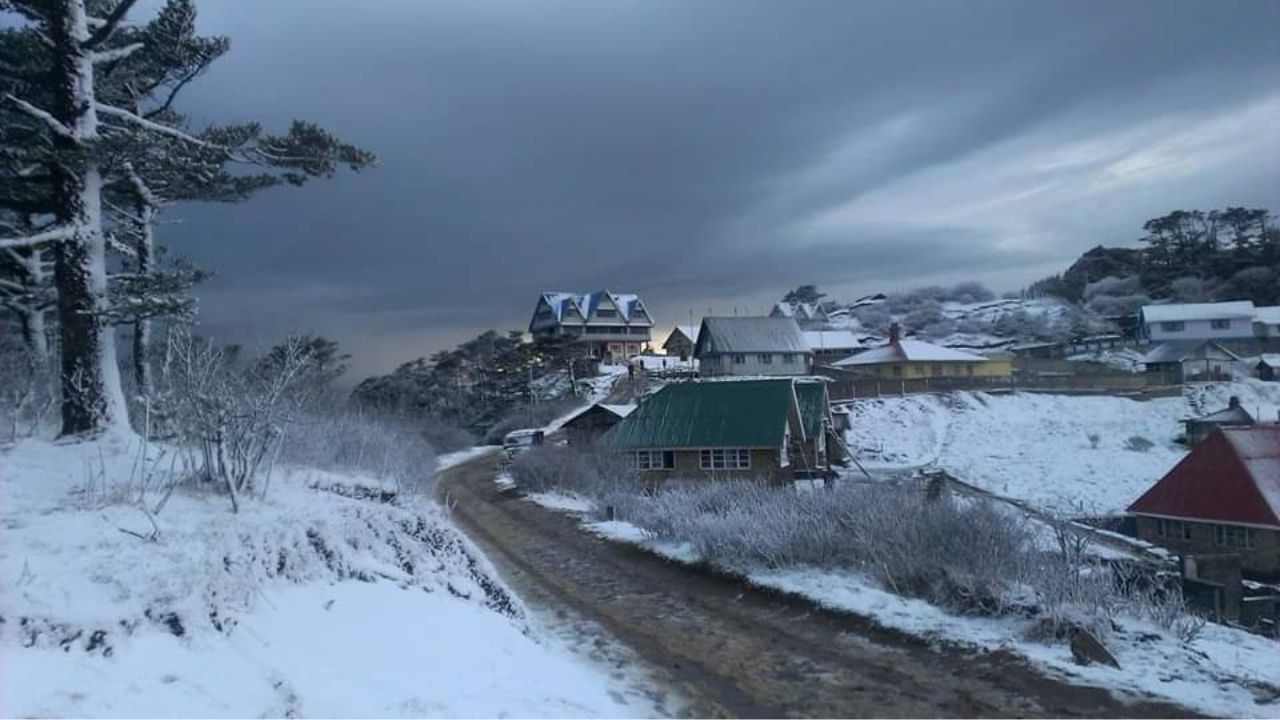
653, 459
897, 371
1220, 324
739, 359
726, 459
605, 312
1175, 326
789, 358
766, 358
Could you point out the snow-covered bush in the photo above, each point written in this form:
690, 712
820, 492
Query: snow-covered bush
27, 396
1137, 443
569, 469
350, 441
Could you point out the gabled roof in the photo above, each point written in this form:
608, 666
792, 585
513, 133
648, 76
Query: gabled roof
742, 413
629, 306
749, 334
908, 351
690, 333
1179, 350
833, 340
1228, 416
619, 411
1267, 315
800, 311
1233, 476
1269, 360
1174, 312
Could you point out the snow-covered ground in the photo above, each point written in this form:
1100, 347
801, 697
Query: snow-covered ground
308, 602
1040, 448
1222, 672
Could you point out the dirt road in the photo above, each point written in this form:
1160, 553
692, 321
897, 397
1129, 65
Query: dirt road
732, 651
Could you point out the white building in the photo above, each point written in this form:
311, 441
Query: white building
1266, 322
610, 326
752, 346
1198, 321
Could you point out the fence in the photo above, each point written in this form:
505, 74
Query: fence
1144, 385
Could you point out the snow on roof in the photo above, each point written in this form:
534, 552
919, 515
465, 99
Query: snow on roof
908, 351
620, 410
1233, 476
1179, 350
689, 331
1270, 359
628, 304
1175, 312
1269, 315
1228, 416
832, 340
750, 334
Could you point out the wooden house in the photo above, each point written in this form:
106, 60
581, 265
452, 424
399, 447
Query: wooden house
828, 346
1192, 360
587, 425
1222, 498
778, 429
752, 346
681, 341
606, 325
911, 359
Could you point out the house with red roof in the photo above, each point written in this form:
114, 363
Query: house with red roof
1223, 498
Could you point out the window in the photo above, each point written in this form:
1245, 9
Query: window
605, 312
1220, 324
897, 371
653, 460
1232, 536
937, 371
1172, 528
1175, 326
789, 358
766, 358
726, 459
739, 359
968, 369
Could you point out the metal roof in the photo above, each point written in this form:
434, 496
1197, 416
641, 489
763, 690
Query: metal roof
909, 351
1232, 476
629, 305
749, 334
1179, 350
1175, 312
744, 413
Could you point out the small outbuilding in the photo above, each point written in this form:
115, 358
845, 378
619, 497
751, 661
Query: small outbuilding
1268, 368
587, 425
1233, 415
680, 342
1188, 361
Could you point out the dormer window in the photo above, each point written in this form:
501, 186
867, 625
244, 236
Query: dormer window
606, 313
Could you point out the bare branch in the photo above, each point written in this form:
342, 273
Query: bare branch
109, 24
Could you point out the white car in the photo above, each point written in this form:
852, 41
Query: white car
518, 441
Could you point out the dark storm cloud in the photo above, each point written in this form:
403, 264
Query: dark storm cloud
689, 150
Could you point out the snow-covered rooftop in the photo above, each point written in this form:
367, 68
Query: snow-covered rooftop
1175, 312
1269, 314
630, 308
832, 340
1179, 350
751, 334
908, 351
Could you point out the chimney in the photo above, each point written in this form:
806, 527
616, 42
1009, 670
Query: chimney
895, 334
1233, 402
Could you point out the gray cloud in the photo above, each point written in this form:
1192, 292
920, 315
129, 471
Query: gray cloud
704, 153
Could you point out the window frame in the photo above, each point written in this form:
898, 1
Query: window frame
765, 358
1220, 324
724, 459
1173, 326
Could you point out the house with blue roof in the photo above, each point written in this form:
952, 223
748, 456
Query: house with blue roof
609, 326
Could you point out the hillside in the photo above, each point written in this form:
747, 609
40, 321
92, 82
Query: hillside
1036, 447
336, 595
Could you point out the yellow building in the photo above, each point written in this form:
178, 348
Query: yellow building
916, 359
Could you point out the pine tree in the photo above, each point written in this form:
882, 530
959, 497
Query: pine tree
95, 102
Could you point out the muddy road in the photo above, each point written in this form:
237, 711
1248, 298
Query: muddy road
732, 651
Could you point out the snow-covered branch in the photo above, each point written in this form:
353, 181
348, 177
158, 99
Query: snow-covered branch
43, 116
62, 232
117, 53
146, 124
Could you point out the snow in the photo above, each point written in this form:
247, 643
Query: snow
1125, 359
1212, 674
662, 363
307, 602
908, 350
562, 501
453, 459
1036, 447
1175, 312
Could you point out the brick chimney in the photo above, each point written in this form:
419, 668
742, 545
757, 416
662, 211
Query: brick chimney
1233, 402
895, 334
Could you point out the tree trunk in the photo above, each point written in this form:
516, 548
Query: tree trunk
145, 247
92, 399
31, 316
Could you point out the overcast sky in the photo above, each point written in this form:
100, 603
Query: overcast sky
710, 155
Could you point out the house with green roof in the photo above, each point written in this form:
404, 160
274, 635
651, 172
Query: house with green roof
772, 428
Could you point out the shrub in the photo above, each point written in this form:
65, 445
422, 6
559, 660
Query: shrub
593, 473
526, 416
1137, 443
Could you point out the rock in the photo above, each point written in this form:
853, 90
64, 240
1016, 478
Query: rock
1087, 650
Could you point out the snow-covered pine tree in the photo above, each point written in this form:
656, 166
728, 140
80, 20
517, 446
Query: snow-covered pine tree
94, 98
